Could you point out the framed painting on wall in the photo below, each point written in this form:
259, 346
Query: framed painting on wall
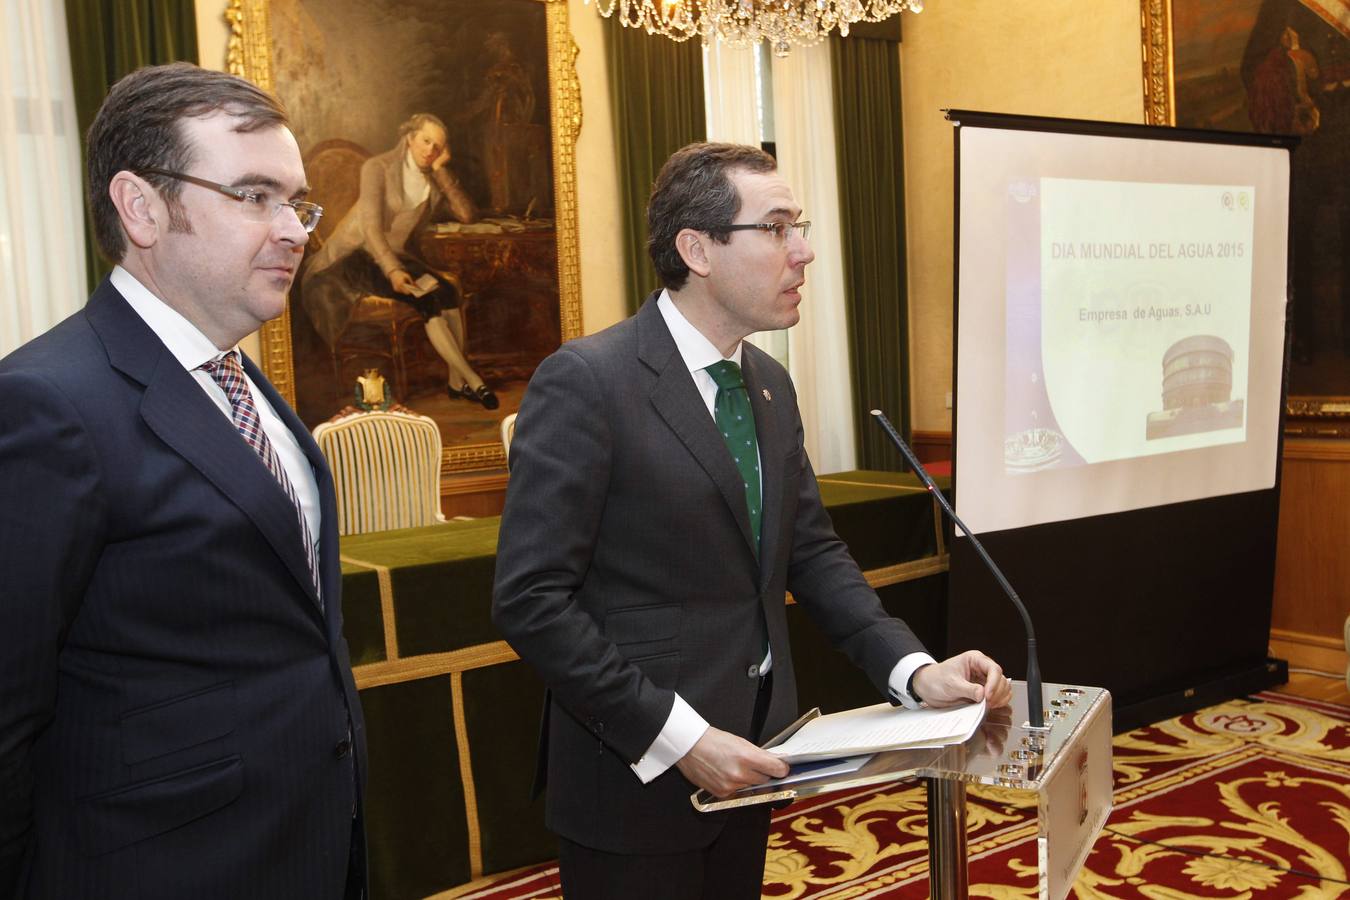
1277, 66
439, 136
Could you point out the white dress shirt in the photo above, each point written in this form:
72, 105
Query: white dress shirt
416, 184
192, 348
684, 726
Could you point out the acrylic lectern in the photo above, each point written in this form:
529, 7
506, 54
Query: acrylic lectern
1066, 764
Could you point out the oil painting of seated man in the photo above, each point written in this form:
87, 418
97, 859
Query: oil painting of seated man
374, 250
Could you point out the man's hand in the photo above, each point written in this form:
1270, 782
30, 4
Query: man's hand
402, 282
969, 676
722, 763
441, 161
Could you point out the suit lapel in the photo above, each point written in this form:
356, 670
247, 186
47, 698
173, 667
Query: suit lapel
773, 445
178, 411
677, 401
393, 172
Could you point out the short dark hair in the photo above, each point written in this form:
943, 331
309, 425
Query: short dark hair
694, 190
139, 127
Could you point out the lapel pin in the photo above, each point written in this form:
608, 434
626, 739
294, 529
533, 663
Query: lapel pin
767, 395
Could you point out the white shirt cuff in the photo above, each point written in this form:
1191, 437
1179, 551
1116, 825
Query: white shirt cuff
898, 683
678, 736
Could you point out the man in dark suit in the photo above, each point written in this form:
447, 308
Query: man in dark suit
177, 711
660, 505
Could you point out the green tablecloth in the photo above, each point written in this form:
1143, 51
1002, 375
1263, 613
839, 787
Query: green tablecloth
452, 716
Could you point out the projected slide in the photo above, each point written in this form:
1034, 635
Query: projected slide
1120, 321
1129, 311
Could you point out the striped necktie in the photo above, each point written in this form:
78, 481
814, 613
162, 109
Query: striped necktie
227, 373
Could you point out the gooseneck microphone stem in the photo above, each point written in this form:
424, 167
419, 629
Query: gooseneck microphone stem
1035, 705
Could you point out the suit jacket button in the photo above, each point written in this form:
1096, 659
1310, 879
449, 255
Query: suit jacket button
343, 747
753, 671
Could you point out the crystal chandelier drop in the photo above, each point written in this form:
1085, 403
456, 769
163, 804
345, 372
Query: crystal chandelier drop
738, 23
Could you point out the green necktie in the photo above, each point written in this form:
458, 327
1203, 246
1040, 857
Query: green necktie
734, 419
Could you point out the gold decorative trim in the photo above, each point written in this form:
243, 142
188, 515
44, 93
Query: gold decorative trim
907, 571
1155, 18
476, 458
1324, 407
386, 583
430, 665
466, 776
248, 55
397, 670
899, 488
565, 96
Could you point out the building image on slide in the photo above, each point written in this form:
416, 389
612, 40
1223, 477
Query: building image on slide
1197, 389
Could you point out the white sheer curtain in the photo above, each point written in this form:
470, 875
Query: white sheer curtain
803, 106
42, 274
731, 93
802, 113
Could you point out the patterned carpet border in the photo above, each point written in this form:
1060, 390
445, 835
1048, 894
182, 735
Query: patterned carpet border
1264, 779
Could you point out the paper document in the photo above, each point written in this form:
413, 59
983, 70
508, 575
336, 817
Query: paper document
424, 285
872, 729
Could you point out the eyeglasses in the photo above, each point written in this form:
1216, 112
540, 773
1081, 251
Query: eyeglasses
779, 230
258, 205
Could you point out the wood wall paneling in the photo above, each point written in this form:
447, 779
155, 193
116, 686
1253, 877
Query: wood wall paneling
1312, 563
473, 494
932, 446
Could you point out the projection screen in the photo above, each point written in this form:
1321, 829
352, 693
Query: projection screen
1120, 319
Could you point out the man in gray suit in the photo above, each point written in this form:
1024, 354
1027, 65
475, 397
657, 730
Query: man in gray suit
660, 505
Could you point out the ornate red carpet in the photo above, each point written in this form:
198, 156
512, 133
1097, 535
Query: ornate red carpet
1247, 800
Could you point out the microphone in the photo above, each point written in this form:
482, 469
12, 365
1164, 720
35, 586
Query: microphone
1035, 702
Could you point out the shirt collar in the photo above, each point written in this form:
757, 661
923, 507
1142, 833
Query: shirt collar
696, 350
185, 341
410, 168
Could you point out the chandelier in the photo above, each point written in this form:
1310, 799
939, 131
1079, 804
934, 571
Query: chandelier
739, 23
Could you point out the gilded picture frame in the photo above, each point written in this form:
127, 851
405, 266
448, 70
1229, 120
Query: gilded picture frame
1276, 66
518, 281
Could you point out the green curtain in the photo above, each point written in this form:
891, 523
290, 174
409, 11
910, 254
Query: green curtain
109, 40
870, 150
656, 92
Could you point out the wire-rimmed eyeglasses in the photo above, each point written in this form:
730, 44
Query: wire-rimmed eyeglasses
779, 230
258, 205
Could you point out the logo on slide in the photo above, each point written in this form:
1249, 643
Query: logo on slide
1032, 450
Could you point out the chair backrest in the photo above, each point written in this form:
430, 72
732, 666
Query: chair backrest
508, 432
386, 469
333, 168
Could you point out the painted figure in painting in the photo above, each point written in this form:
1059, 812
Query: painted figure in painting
374, 250
1278, 97
1296, 72
506, 105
